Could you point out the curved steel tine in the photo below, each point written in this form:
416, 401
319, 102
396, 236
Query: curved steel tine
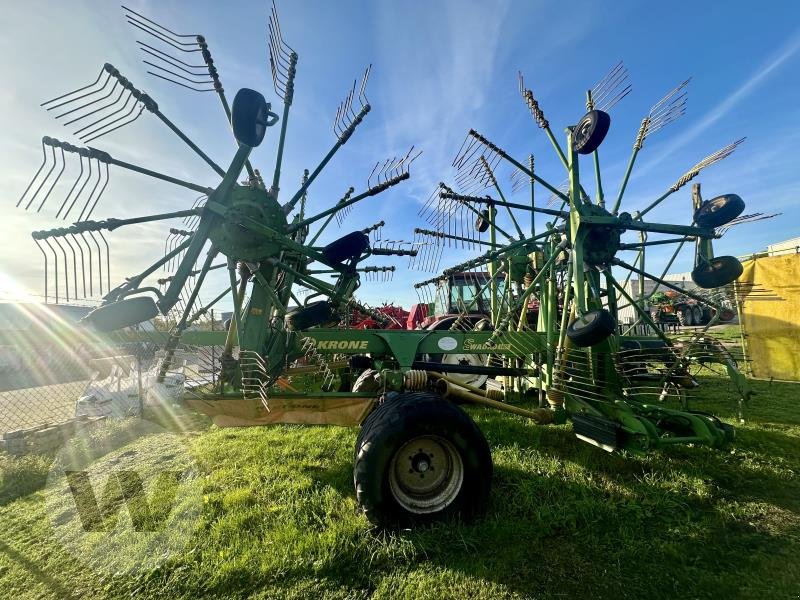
82, 96
169, 31
99, 109
168, 58
38, 172
351, 113
110, 115
38, 245
108, 260
66, 268
83, 266
278, 27
55, 181
163, 38
99, 131
91, 267
362, 92
179, 76
97, 198
86, 87
99, 262
91, 102
74, 269
55, 264
46, 177
80, 191
91, 192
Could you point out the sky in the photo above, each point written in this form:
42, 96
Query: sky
440, 68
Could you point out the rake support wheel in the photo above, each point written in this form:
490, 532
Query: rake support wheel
591, 328
717, 272
590, 131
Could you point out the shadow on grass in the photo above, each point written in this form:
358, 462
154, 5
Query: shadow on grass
35, 571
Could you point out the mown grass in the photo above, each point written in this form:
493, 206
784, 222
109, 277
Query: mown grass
566, 520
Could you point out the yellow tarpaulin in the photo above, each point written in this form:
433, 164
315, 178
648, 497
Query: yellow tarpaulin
770, 290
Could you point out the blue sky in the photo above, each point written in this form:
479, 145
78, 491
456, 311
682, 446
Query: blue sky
440, 67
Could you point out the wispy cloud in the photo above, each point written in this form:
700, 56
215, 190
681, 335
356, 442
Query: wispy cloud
747, 87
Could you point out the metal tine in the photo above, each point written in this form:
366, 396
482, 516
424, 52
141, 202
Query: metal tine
668, 109
553, 198
55, 180
83, 187
66, 99
612, 88
97, 197
742, 219
282, 57
709, 160
519, 180
45, 162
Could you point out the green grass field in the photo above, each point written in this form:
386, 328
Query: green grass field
566, 520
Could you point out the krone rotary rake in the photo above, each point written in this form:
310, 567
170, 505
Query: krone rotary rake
536, 314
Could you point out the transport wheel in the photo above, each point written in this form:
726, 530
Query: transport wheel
719, 211
482, 222
312, 315
591, 328
121, 314
419, 459
697, 315
590, 131
346, 247
717, 272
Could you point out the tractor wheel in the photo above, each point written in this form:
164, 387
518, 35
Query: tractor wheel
719, 271
482, 222
313, 315
719, 211
122, 313
419, 459
591, 328
348, 247
590, 131
685, 316
697, 315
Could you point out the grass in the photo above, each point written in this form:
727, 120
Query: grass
566, 520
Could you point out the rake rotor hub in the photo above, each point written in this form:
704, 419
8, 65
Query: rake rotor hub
237, 241
601, 242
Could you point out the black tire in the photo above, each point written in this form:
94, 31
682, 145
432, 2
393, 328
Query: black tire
380, 474
685, 316
592, 328
348, 247
482, 223
311, 315
250, 117
590, 131
122, 313
717, 272
719, 211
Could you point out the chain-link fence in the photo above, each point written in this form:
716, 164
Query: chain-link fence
53, 372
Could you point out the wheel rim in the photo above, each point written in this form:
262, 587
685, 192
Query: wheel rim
584, 320
426, 474
465, 359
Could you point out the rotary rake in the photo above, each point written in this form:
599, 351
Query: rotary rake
237, 226
533, 316
551, 299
